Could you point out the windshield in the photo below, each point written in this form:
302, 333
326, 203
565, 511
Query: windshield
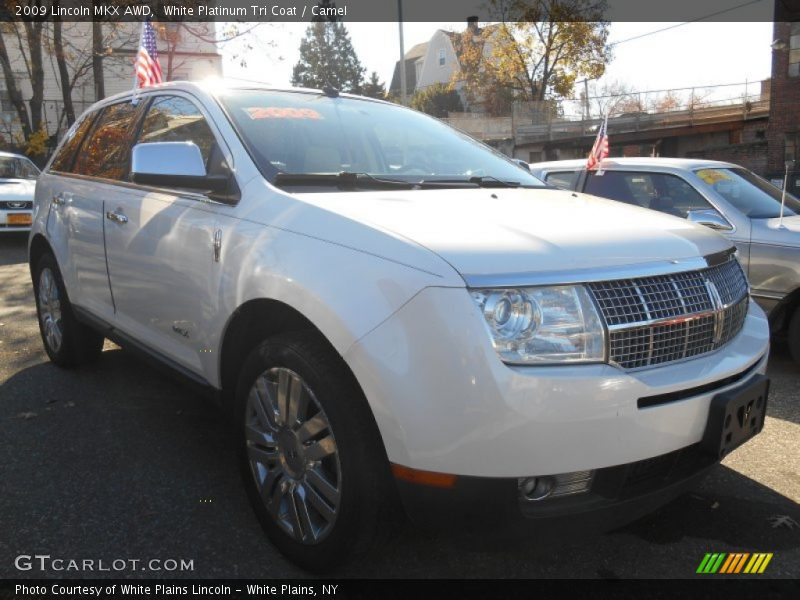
753, 196
16, 167
303, 133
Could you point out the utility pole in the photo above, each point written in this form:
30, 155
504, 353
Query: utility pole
586, 98
403, 90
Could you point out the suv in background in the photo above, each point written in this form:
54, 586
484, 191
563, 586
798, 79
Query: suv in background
390, 310
722, 196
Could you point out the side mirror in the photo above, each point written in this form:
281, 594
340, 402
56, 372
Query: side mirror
523, 164
174, 165
710, 218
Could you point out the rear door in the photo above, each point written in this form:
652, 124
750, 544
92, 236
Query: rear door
73, 192
665, 192
160, 245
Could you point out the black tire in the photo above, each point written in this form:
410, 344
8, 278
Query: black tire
79, 344
793, 337
367, 512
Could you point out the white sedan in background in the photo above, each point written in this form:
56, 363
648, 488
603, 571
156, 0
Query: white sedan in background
17, 185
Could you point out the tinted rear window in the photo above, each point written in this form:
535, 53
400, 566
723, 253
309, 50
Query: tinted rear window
106, 153
63, 160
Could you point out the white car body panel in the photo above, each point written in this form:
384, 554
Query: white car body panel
382, 276
482, 231
484, 418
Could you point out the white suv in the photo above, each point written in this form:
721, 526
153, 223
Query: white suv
392, 310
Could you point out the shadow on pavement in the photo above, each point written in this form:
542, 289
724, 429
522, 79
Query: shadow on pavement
784, 373
13, 248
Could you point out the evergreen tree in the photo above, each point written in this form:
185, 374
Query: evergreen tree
374, 88
327, 57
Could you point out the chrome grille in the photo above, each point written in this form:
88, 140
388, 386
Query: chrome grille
15, 205
662, 319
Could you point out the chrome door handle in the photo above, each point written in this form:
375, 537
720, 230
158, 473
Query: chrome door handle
116, 217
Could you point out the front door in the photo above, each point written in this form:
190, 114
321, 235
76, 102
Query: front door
160, 247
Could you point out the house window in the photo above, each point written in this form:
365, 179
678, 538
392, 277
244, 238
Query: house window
441, 57
794, 50
792, 149
5, 102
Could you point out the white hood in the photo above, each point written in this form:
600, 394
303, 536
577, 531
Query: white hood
493, 231
17, 189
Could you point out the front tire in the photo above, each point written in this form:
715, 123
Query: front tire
311, 457
67, 341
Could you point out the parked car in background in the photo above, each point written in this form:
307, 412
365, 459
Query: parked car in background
722, 196
392, 312
17, 186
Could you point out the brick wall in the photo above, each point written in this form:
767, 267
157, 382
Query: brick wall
784, 94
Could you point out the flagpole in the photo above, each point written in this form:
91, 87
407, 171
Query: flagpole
783, 195
136, 88
605, 132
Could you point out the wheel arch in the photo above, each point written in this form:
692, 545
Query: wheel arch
36, 249
782, 313
249, 325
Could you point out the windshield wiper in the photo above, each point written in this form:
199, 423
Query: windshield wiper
345, 179
478, 180
349, 179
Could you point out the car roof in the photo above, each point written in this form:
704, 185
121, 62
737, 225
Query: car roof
212, 86
12, 155
638, 161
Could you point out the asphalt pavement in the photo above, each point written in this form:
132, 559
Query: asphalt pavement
118, 462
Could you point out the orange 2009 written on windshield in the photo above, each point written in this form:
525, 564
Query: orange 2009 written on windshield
276, 112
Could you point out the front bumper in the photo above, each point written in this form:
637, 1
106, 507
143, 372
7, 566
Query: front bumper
444, 402
618, 496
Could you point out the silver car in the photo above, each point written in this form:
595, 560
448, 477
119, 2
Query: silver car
723, 196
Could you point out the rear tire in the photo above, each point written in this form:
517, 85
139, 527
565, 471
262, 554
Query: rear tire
311, 457
793, 337
67, 341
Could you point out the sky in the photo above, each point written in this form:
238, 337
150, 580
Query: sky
684, 55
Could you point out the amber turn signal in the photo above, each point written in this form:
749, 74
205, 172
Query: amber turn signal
440, 480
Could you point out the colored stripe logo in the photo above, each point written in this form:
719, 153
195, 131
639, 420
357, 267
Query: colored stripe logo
733, 563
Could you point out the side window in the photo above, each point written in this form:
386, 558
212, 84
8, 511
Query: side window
176, 119
107, 151
658, 191
562, 179
611, 184
677, 197
63, 160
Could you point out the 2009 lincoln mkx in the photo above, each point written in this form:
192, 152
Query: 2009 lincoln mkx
395, 314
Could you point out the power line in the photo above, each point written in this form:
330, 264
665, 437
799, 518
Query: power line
715, 14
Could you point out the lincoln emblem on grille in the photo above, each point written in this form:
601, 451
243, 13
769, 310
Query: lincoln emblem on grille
719, 310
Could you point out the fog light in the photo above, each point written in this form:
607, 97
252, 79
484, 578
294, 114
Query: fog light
535, 488
553, 486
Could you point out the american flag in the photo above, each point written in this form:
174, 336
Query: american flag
148, 70
600, 148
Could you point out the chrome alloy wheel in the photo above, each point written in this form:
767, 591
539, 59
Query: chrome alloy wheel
50, 309
293, 455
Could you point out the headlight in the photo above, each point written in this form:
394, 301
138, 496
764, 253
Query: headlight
543, 325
